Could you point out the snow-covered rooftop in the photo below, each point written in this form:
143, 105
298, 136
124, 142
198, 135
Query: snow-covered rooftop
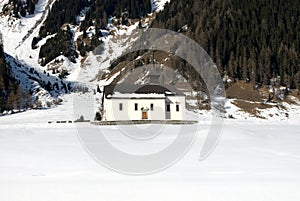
137, 96
140, 91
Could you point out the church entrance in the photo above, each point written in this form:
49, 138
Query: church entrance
144, 115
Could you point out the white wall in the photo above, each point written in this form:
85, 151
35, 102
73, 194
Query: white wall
112, 112
177, 100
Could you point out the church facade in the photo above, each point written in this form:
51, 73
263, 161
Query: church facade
147, 102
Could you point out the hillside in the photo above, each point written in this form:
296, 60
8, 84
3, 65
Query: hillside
257, 41
46, 50
254, 44
63, 48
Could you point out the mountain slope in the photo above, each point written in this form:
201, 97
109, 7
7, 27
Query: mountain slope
57, 75
249, 40
54, 60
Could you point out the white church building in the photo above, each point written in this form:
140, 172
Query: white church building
148, 102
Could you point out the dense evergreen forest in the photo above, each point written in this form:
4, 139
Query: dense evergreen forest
253, 40
60, 44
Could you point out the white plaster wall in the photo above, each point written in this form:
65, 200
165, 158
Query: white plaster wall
112, 112
180, 100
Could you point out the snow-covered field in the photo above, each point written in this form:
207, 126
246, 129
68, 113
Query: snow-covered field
254, 160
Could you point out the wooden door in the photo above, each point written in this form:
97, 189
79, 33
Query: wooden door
144, 115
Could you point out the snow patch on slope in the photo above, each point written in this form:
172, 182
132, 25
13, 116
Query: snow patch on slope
2, 3
85, 70
14, 30
283, 113
158, 5
113, 46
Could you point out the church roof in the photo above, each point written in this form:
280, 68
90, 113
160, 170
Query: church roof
141, 89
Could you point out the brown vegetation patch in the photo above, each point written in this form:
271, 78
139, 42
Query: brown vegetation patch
83, 60
245, 91
251, 107
293, 98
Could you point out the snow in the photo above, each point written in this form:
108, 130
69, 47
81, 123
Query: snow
17, 37
15, 30
286, 114
254, 160
150, 95
192, 102
158, 5
113, 47
19, 33
2, 3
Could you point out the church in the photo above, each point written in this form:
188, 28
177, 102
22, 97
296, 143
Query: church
147, 102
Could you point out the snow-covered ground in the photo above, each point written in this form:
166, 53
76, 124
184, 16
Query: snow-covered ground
254, 160
287, 114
